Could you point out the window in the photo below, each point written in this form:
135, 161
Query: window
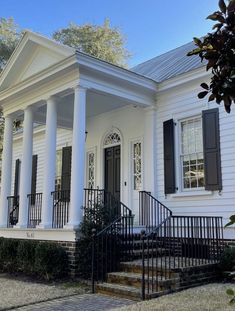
137, 171
91, 169
58, 170
191, 154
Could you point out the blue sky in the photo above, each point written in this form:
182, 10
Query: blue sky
151, 27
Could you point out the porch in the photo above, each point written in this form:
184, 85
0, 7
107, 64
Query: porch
78, 94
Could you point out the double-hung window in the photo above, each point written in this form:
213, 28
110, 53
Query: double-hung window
191, 154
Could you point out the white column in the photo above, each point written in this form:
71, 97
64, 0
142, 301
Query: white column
49, 164
78, 158
6, 170
149, 149
26, 168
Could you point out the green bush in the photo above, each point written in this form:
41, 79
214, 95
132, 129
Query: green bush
8, 255
227, 262
26, 256
45, 260
51, 261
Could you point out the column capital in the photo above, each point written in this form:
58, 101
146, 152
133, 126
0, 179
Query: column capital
80, 87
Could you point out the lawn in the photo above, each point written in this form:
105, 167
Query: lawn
209, 297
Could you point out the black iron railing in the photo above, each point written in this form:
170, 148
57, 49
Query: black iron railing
35, 209
151, 212
61, 202
113, 244
178, 242
99, 199
13, 210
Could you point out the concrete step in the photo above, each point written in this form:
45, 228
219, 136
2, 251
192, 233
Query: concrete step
135, 280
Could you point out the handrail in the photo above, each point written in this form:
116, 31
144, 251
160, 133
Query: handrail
113, 243
177, 242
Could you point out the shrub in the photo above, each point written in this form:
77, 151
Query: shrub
227, 262
51, 261
26, 256
8, 255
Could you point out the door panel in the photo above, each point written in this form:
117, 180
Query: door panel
112, 170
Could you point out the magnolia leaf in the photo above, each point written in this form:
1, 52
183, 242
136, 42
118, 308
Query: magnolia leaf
230, 292
202, 94
194, 52
222, 6
197, 41
205, 86
231, 5
219, 25
232, 301
232, 221
216, 17
212, 97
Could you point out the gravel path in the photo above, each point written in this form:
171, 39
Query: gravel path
14, 292
211, 297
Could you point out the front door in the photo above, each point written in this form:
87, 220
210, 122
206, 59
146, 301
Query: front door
112, 170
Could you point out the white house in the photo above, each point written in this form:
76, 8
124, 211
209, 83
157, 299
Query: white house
90, 124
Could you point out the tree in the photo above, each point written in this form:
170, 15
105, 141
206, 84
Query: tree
218, 50
102, 42
9, 37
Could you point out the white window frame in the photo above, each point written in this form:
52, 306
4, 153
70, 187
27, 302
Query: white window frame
89, 151
179, 155
133, 142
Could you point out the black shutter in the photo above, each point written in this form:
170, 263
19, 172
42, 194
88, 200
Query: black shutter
66, 168
211, 144
17, 177
34, 174
169, 156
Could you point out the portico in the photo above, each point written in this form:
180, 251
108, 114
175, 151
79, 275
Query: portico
64, 89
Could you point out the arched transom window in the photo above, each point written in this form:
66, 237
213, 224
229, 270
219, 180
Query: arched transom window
112, 139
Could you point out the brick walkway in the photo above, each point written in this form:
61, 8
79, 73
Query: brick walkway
86, 302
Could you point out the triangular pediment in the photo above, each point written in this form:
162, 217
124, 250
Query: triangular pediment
33, 55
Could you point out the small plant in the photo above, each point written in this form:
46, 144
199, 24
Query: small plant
26, 256
51, 261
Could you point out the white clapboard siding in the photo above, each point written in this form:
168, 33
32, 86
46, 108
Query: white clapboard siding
180, 103
64, 138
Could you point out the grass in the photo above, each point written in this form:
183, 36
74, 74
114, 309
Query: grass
211, 297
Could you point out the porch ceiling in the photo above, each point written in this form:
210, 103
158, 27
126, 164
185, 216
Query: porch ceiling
97, 103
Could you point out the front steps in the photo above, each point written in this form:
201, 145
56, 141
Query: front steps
126, 283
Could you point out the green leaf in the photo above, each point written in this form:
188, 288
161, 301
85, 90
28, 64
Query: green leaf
219, 25
231, 5
230, 292
232, 301
212, 97
197, 41
232, 221
205, 86
222, 6
216, 17
202, 94
194, 52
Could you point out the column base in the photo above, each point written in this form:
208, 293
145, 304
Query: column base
44, 226
72, 226
20, 226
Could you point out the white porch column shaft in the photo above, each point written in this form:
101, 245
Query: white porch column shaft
49, 163
150, 151
78, 158
26, 168
6, 170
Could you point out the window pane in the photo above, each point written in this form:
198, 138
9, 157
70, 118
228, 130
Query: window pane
192, 162
137, 166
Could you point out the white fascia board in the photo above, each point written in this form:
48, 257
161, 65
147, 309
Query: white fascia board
115, 71
56, 68
38, 39
190, 76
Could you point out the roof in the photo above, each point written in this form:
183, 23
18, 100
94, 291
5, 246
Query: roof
170, 64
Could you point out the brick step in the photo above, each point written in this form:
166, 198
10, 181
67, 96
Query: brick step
135, 280
136, 267
118, 290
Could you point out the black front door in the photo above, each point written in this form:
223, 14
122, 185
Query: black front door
112, 170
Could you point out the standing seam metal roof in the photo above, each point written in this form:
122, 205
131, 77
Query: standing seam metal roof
169, 64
